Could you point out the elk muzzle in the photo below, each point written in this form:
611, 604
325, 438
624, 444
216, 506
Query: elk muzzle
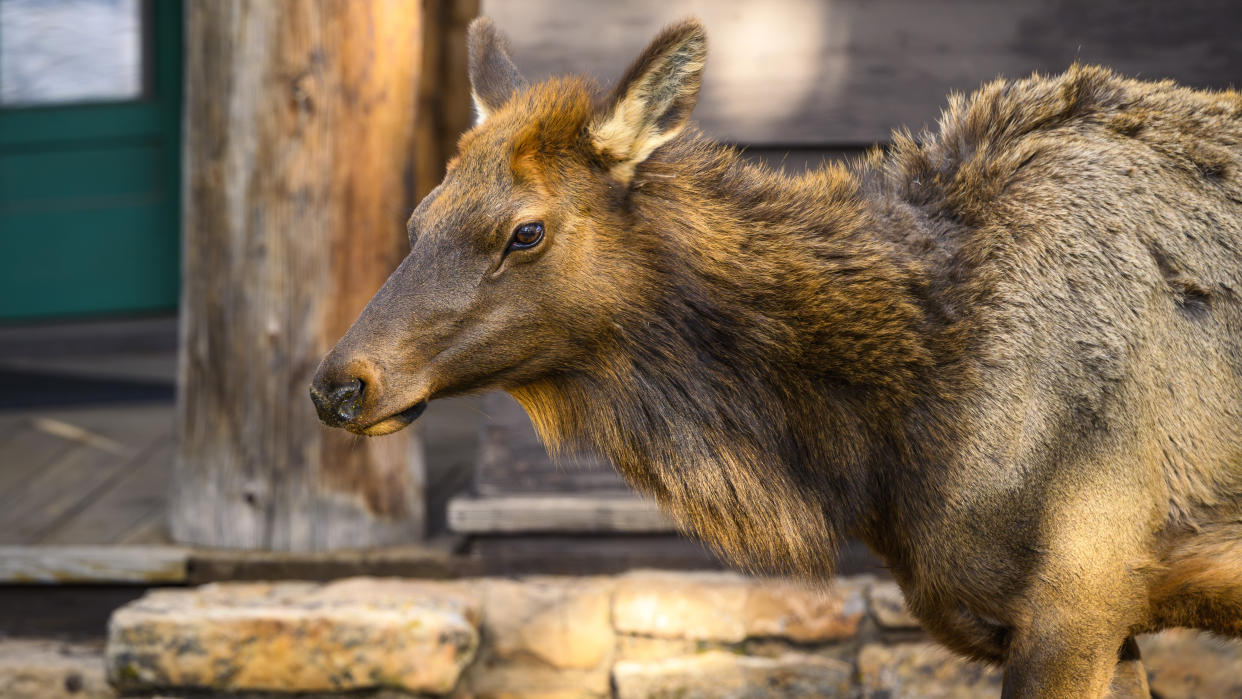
338, 405
348, 399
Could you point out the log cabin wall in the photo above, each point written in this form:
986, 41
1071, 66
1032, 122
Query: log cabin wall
793, 82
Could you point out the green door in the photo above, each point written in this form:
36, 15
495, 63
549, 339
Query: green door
90, 122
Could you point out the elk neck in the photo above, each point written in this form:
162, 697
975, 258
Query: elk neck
771, 353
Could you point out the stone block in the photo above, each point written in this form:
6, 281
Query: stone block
923, 671
804, 613
723, 675
563, 622
488, 679
1186, 664
544, 637
700, 606
39, 669
295, 637
888, 606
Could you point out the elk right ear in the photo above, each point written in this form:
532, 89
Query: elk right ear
652, 103
493, 77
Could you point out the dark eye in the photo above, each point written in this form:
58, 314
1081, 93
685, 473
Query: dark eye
526, 235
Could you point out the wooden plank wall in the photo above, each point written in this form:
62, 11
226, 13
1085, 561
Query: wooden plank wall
818, 73
797, 81
511, 459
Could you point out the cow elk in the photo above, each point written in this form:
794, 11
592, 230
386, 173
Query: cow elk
1006, 353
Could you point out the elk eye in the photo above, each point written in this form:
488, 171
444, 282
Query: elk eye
526, 235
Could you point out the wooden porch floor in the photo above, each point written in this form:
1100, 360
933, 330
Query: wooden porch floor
86, 432
87, 435
86, 475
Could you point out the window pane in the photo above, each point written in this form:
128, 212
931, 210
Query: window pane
56, 51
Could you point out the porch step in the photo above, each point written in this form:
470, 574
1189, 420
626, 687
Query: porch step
93, 564
558, 513
165, 565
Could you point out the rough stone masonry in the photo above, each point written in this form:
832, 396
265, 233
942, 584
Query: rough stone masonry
643, 634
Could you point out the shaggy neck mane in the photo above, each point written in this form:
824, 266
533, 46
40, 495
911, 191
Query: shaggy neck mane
771, 347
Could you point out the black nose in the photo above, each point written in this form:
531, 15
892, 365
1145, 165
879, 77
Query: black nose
338, 404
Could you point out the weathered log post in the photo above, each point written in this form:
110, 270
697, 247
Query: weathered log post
444, 106
300, 165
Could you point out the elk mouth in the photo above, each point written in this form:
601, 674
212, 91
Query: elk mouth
394, 422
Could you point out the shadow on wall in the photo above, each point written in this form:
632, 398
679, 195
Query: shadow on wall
837, 73
769, 65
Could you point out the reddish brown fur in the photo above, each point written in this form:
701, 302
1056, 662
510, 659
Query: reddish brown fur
1007, 354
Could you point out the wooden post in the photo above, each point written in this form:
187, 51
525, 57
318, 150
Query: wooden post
300, 163
444, 105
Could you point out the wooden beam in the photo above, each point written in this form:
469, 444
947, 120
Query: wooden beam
577, 513
300, 155
578, 554
63, 565
435, 559
93, 564
445, 110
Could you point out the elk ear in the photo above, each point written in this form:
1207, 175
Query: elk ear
652, 103
493, 77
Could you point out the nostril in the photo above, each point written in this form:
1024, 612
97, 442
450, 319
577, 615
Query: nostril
348, 399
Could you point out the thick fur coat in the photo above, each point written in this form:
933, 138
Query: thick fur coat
1007, 354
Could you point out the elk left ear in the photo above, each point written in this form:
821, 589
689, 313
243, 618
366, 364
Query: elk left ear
652, 103
493, 77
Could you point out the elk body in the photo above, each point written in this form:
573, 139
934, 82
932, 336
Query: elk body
1006, 354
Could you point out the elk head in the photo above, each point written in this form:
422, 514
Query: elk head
526, 257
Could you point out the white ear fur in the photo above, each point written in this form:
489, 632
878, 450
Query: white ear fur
652, 103
481, 113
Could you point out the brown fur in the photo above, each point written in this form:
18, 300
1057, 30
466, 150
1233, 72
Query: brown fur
1007, 353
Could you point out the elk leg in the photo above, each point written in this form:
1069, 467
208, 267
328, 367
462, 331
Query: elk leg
1058, 661
1128, 680
1074, 637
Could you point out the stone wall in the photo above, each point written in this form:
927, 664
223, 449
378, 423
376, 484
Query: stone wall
644, 634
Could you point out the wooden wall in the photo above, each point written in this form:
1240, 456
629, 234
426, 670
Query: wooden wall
812, 73
797, 81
